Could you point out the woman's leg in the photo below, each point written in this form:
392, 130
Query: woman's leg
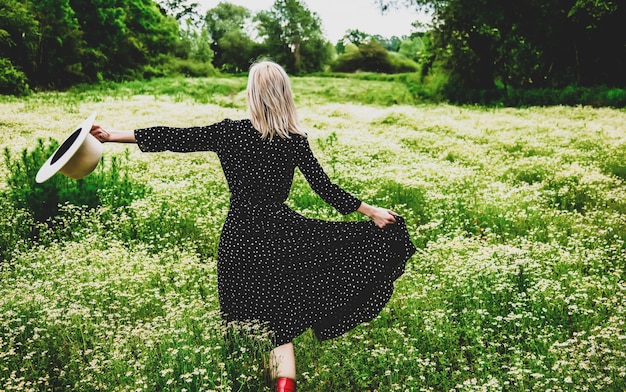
283, 362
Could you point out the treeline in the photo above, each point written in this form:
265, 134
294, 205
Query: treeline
484, 51
60, 43
488, 46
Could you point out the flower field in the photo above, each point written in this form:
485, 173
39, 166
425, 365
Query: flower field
519, 216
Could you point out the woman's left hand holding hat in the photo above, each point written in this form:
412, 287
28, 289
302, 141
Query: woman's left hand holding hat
100, 133
103, 136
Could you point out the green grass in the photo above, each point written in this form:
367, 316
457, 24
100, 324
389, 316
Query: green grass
519, 216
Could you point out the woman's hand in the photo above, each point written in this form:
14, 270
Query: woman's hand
100, 133
380, 216
112, 136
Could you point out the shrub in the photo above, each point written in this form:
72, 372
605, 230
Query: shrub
401, 64
373, 57
109, 185
12, 81
429, 88
188, 68
616, 97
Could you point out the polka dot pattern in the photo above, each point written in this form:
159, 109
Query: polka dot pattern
275, 265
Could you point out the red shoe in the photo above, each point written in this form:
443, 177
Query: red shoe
284, 384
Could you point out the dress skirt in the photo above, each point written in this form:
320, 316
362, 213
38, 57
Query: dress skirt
293, 273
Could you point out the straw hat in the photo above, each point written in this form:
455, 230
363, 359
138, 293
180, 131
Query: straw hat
77, 156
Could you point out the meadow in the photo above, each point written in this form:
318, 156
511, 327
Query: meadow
519, 216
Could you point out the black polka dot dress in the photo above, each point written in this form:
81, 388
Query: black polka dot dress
275, 265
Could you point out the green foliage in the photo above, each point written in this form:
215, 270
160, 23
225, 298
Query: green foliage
437, 88
200, 47
109, 185
413, 48
371, 56
401, 64
480, 44
131, 318
149, 34
180, 9
188, 68
15, 228
233, 48
328, 146
238, 51
570, 193
105, 186
593, 96
355, 37
19, 35
379, 92
475, 48
392, 44
59, 43
58, 54
12, 81
293, 37
616, 97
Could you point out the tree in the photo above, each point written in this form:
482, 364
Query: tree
58, 43
528, 43
233, 49
195, 43
58, 61
293, 36
19, 35
103, 27
355, 36
413, 47
180, 9
391, 44
124, 36
238, 51
156, 33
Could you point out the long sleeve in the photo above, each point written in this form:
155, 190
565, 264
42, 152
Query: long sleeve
161, 138
331, 193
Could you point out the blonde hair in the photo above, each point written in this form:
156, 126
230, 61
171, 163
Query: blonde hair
271, 106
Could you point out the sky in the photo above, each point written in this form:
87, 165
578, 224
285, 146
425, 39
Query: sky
338, 16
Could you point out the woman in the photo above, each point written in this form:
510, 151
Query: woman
275, 266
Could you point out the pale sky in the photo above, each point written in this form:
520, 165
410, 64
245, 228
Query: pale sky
338, 16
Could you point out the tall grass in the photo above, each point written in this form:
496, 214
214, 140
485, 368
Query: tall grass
518, 285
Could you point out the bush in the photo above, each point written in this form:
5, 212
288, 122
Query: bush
39, 204
401, 64
429, 88
373, 57
108, 184
12, 81
616, 97
189, 68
